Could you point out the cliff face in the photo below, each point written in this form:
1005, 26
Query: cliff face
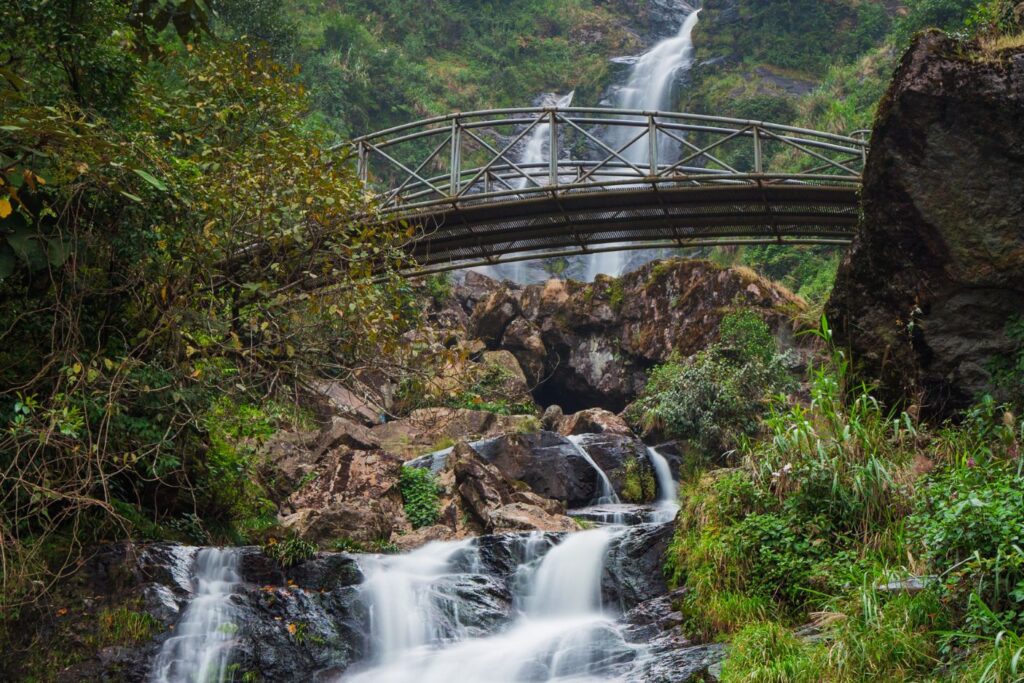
937, 269
582, 345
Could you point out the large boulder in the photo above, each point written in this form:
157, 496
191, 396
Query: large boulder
593, 421
937, 267
428, 429
550, 464
592, 344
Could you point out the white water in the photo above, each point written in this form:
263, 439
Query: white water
607, 495
200, 648
562, 635
649, 89
668, 490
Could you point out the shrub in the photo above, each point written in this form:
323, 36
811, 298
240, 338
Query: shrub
290, 551
420, 494
639, 485
716, 398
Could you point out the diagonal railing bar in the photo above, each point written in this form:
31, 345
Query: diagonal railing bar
821, 167
805, 150
500, 155
609, 149
703, 151
604, 162
393, 193
700, 152
405, 168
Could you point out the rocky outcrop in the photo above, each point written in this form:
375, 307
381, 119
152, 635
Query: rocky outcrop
937, 268
591, 344
591, 421
432, 428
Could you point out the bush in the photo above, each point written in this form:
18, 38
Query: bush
716, 398
420, 494
639, 485
290, 551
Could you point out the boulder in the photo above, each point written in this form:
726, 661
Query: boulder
552, 418
526, 517
355, 495
550, 464
936, 271
593, 421
633, 566
428, 429
611, 452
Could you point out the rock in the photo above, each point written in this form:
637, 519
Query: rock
911, 585
428, 429
514, 386
355, 495
611, 452
525, 517
552, 418
419, 537
937, 267
593, 421
632, 572
548, 505
597, 341
548, 463
524, 340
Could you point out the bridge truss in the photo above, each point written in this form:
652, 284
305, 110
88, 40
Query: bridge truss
619, 179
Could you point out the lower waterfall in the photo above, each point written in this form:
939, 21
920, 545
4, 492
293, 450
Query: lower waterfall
560, 634
200, 648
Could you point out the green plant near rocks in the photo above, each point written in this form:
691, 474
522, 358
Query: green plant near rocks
420, 495
1008, 371
639, 484
290, 551
768, 652
717, 398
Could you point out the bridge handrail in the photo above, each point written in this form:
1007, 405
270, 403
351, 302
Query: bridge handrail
607, 111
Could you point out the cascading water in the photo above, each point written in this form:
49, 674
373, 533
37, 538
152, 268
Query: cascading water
668, 490
561, 635
201, 645
649, 89
607, 493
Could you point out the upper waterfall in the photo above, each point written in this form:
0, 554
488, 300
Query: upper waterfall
649, 88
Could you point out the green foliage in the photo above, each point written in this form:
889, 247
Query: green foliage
420, 494
639, 484
716, 398
440, 287
125, 627
290, 551
169, 224
767, 652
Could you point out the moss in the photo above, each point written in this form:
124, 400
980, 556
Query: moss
639, 485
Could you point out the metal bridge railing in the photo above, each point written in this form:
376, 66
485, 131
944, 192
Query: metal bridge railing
477, 157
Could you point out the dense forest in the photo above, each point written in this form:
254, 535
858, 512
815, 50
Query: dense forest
187, 261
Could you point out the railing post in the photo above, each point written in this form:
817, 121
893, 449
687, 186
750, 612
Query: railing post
362, 167
553, 149
652, 146
758, 160
456, 163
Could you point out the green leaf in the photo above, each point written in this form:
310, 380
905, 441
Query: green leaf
133, 197
152, 180
58, 250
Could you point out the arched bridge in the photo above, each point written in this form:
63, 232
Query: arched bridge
483, 187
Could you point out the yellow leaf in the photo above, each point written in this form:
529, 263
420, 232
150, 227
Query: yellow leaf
5, 207
291, 629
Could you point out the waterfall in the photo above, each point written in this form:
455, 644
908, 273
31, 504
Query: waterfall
200, 648
649, 88
562, 635
607, 495
668, 490
404, 606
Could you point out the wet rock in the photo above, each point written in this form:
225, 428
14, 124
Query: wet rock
633, 566
423, 535
937, 268
548, 463
611, 452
